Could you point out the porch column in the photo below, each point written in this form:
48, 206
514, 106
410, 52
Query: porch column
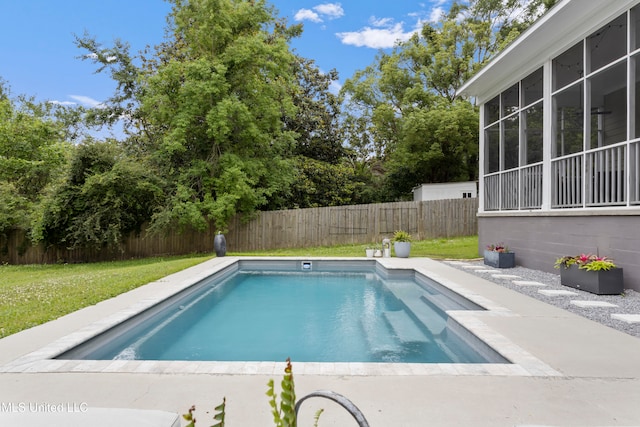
547, 137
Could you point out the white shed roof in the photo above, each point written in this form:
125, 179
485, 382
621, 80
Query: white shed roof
560, 28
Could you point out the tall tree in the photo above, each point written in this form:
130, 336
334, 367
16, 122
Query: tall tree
438, 145
316, 120
33, 155
105, 196
324, 176
208, 107
392, 106
453, 49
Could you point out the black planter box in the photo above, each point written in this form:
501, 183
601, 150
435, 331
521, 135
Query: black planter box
603, 282
500, 259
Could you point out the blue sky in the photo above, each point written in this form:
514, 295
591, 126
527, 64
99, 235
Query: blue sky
38, 56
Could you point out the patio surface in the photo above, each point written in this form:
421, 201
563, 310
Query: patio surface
569, 371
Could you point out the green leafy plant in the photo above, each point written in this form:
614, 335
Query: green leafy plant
401, 236
219, 416
316, 417
586, 262
285, 414
498, 247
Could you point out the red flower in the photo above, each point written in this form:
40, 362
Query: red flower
584, 259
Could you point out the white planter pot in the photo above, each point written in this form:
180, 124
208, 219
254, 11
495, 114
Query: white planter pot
402, 249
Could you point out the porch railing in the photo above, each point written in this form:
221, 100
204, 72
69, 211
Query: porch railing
605, 183
492, 192
567, 182
514, 189
509, 189
588, 179
531, 187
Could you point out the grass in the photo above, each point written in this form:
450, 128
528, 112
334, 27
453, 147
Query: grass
34, 294
458, 248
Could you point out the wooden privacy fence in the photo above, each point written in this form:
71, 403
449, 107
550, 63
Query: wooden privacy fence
354, 224
276, 229
16, 248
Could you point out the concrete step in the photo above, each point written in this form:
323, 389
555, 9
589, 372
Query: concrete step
403, 289
405, 327
440, 302
410, 295
378, 336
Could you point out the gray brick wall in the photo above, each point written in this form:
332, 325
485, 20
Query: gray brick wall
539, 239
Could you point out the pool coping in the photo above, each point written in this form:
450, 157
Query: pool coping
523, 363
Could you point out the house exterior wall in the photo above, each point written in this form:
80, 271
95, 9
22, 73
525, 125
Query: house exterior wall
443, 191
539, 240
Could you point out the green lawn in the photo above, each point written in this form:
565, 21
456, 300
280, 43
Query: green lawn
34, 294
458, 248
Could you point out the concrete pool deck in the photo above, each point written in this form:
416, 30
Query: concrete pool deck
569, 371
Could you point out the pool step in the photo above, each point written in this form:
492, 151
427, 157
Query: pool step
440, 302
376, 332
411, 295
404, 289
429, 317
405, 327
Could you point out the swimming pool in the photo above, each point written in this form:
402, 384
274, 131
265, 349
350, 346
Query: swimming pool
311, 311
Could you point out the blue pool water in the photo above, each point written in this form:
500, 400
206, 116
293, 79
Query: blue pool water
309, 316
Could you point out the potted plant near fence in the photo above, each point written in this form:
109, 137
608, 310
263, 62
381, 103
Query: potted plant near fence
402, 243
592, 273
499, 256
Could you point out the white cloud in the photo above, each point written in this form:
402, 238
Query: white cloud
306, 14
433, 12
376, 38
436, 14
320, 12
330, 10
87, 101
384, 33
380, 22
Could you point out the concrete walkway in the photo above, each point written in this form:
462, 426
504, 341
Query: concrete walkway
588, 374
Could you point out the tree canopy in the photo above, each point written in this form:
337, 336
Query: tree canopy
403, 110
105, 196
33, 154
213, 104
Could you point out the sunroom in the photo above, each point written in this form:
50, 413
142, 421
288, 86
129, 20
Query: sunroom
560, 137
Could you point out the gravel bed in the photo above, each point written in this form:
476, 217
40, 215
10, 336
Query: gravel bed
627, 303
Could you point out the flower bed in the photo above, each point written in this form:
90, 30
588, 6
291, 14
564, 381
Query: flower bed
499, 256
591, 273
